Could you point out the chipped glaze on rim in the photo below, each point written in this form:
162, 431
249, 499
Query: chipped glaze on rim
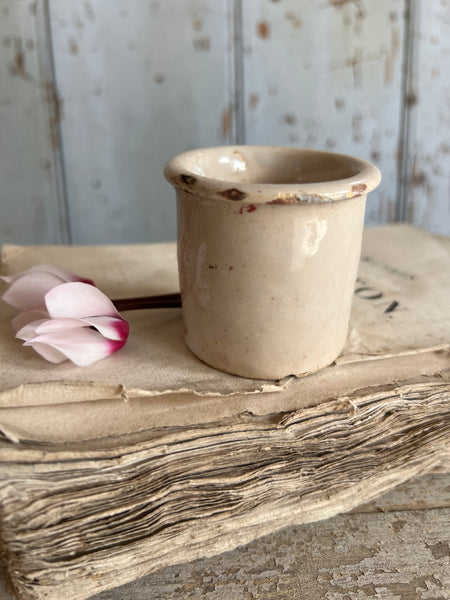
182, 173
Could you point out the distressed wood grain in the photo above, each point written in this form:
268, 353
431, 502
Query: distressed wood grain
95, 97
398, 550
428, 174
394, 556
141, 81
32, 201
422, 493
327, 75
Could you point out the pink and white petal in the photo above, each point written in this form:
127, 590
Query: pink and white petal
28, 316
64, 275
82, 346
29, 291
49, 269
52, 325
78, 300
47, 352
28, 331
10, 278
114, 328
53, 270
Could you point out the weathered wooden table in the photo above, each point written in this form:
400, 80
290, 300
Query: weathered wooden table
395, 548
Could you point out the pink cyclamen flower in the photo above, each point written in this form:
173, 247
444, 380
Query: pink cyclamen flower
27, 289
73, 320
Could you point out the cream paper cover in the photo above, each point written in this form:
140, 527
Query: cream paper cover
155, 380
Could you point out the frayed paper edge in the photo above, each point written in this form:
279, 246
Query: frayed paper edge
64, 392
350, 357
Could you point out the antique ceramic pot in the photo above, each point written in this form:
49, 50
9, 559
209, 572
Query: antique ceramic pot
269, 242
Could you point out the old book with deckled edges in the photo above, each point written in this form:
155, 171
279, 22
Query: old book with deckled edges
400, 309
150, 457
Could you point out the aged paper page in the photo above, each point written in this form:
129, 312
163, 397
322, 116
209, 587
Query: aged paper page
400, 307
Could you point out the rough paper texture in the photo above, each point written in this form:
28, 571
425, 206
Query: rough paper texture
151, 458
402, 270
109, 417
77, 519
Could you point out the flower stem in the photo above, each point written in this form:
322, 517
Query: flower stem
163, 301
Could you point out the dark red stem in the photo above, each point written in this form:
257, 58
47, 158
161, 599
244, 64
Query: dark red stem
164, 301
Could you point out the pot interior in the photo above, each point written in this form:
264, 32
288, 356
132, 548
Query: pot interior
270, 165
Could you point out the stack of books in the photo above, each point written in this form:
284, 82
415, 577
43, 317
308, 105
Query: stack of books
150, 457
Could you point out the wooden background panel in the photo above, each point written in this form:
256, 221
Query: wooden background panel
137, 82
327, 75
141, 81
32, 203
428, 177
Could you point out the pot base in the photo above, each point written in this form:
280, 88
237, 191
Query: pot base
261, 375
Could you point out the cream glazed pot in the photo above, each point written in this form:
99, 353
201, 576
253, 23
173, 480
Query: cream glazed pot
269, 240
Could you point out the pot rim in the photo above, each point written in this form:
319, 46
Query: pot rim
182, 177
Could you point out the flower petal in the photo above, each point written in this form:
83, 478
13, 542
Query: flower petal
82, 346
28, 331
52, 325
114, 328
28, 316
49, 353
28, 292
62, 274
78, 300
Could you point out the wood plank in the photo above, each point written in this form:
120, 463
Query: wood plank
428, 176
32, 204
423, 493
141, 81
392, 554
327, 75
